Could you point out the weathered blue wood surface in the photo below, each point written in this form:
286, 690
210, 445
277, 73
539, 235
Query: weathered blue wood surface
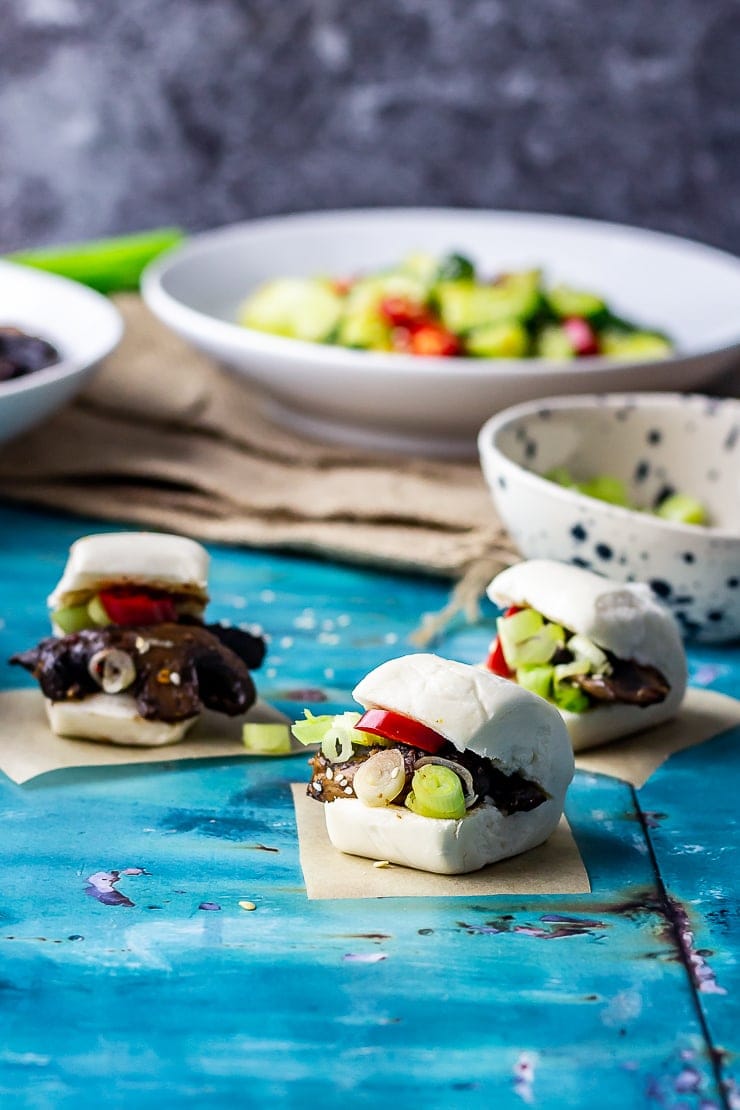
159, 990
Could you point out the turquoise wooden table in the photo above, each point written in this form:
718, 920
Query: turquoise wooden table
155, 988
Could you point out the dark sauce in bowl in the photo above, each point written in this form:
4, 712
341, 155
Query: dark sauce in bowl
22, 354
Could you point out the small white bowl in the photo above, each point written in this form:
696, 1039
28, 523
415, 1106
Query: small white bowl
83, 325
651, 442
435, 405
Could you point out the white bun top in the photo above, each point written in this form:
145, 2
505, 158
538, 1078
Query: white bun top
154, 559
624, 617
475, 709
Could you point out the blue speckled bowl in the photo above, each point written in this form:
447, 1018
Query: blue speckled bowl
653, 442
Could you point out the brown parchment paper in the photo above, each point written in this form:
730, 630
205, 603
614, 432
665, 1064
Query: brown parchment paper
29, 748
555, 867
704, 714
165, 438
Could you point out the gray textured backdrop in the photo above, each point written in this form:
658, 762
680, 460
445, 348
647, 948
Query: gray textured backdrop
123, 115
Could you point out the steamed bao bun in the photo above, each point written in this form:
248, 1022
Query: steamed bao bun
625, 618
473, 709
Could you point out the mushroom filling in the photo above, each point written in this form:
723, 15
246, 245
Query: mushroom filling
171, 670
480, 779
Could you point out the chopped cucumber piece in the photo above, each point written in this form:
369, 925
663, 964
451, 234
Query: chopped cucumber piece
367, 330
514, 630
421, 266
520, 626
97, 613
266, 739
537, 679
456, 267
682, 509
566, 301
296, 308
436, 792
73, 618
641, 345
605, 488
583, 648
570, 698
554, 342
564, 671
505, 340
539, 648
562, 476
526, 640
463, 305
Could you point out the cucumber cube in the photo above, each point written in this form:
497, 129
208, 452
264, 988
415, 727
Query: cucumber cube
536, 679
72, 619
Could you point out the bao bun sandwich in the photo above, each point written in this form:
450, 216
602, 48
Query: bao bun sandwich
608, 654
131, 660
449, 767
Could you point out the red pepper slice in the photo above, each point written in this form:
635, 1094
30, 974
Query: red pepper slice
496, 660
402, 729
131, 607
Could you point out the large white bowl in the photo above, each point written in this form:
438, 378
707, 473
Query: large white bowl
435, 404
82, 325
652, 442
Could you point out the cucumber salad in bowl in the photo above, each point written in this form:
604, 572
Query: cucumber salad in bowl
434, 306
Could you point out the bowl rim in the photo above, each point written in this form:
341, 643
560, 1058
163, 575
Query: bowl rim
196, 322
72, 363
487, 446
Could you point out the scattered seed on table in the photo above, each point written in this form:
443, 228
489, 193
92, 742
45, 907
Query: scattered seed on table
248, 905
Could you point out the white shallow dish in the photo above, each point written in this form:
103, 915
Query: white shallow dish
83, 325
436, 405
651, 442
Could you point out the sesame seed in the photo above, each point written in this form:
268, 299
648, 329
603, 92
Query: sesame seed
247, 906
175, 679
381, 863
329, 773
348, 790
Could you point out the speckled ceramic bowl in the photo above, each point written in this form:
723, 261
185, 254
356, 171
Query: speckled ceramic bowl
654, 443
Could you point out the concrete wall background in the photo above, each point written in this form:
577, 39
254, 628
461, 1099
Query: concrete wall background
116, 116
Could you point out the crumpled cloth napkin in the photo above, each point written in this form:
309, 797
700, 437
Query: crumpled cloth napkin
165, 438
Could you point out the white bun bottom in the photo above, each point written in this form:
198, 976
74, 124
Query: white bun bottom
451, 847
614, 722
112, 718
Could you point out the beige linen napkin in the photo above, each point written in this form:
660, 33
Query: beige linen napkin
164, 437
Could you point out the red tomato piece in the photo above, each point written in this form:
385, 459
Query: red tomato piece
512, 610
130, 606
402, 729
582, 336
403, 312
432, 339
496, 660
